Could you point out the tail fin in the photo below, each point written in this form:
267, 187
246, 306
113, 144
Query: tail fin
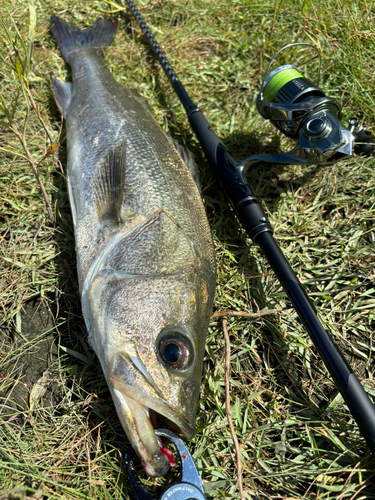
71, 39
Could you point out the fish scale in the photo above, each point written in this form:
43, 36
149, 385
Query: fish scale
145, 258
149, 182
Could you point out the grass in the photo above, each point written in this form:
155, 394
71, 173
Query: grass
297, 438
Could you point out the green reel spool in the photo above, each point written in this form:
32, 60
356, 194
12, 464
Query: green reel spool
286, 88
277, 79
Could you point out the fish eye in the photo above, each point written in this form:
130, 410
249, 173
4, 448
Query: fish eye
175, 350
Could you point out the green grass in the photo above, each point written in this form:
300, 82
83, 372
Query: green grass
296, 435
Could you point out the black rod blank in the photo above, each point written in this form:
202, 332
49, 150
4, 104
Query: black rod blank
253, 219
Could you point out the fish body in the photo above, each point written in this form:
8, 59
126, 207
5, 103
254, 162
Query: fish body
145, 257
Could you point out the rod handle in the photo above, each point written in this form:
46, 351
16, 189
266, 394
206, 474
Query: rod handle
362, 410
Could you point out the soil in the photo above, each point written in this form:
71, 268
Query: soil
33, 365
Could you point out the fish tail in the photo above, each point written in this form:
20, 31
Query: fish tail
71, 39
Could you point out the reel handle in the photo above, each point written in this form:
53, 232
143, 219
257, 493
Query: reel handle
364, 144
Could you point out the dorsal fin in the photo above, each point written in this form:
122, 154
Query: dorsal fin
108, 183
189, 160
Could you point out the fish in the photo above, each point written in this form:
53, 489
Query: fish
145, 255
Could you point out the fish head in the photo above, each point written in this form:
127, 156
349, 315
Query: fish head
147, 302
153, 333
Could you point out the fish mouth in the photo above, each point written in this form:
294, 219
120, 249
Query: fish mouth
135, 411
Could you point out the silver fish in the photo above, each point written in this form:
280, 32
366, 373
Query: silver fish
146, 264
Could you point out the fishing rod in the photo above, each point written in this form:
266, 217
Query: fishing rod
301, 110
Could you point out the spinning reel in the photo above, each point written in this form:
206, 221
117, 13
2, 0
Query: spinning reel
302, 111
